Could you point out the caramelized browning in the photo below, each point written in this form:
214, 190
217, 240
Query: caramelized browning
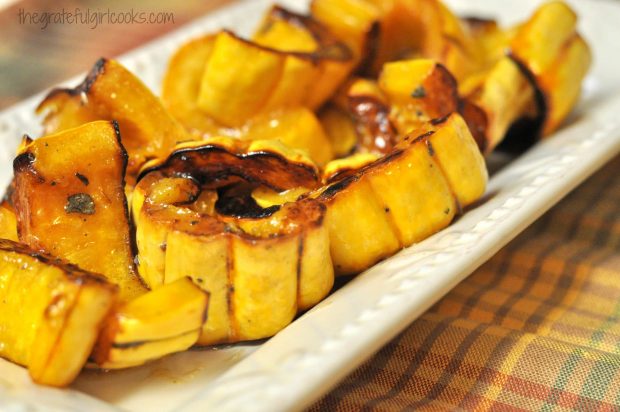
218, 162
376, 131
87, 225
51, 312
404, 196
111, 92
260, 265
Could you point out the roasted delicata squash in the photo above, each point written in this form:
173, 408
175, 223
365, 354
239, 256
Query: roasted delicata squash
292, 61
418, 90
8, 222
297, 127
537, 82
446, 38
305, 39
529, 74
166, 320
489, 42
407, 96
260, 265
51, 312
318, 147
288, 117
557, 57
358, 28
111, 92
72, 204
259, 270
70, 201
181, 87
220, 161
340, 128
504, 95
403, 197
382, 31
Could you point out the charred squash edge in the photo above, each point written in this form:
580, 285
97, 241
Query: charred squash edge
82, 88
327, 42
73, 272
312, 172
24, 162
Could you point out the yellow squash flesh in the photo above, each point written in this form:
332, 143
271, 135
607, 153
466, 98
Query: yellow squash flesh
340, 129
223, 81
111, 92
357, 27
316, 63
8, 222
50, 313
232, 90
561, 83
258, 271
381, 31
298, 128
166, 320
418, 90
260, 268
505, 95
181, 87
404, 197
549, 46
70, 202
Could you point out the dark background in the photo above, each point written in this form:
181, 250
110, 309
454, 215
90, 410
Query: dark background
33, 59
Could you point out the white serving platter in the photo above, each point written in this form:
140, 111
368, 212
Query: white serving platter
310, 356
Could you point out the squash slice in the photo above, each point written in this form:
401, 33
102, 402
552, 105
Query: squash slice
111, 92
316, 64
505, 95
356, 22
527, 76
418, 91
8, 222
298, 128
220, 161
195, 216
295, 126
536, 83
382, 31
403, 197
407, 95
70, 202
153, 325
181, 87
292, 61
549, 47
51, 312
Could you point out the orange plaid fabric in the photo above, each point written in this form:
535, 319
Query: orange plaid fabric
535, 328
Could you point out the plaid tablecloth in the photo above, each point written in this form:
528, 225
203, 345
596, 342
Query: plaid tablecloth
535, 328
